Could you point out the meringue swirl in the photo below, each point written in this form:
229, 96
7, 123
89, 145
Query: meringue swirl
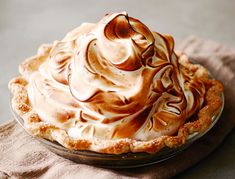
115, 79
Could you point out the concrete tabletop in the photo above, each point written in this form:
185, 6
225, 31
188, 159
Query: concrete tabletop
25, 24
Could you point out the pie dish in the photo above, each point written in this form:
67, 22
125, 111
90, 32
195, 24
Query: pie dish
114, 87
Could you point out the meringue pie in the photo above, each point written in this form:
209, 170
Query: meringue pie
114, 87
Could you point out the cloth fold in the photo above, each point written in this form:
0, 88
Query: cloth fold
21, 156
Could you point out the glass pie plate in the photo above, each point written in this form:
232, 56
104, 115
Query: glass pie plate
128, 160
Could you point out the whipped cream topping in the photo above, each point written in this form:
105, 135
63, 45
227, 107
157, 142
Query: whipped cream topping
115, 79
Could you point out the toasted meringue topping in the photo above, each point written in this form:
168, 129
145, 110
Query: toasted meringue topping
115, 79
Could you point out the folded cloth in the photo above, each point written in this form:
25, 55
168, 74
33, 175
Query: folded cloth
21, 156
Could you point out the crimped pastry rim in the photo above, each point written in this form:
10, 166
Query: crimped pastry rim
55, 145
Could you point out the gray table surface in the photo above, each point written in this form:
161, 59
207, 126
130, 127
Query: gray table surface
25, 24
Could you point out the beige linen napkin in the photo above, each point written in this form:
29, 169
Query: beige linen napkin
23, 157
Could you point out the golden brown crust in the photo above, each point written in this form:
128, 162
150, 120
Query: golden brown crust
32, 122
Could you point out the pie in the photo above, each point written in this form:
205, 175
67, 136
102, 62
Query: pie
114, 87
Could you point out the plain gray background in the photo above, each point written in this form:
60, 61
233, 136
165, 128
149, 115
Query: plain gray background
25, 24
